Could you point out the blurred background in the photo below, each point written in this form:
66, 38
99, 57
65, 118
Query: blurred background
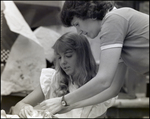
25, 51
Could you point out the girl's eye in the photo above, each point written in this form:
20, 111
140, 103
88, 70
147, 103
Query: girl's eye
59, 57
68, 56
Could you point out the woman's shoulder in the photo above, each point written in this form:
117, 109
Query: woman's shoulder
123, 11
119, 14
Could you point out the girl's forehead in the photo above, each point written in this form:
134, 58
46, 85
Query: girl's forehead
63, 47
65, 51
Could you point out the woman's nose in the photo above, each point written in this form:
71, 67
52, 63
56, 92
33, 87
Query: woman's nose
79, 31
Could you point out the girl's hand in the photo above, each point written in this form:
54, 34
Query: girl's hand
53, 105
16, 109
65, 109
3, 114
26, 112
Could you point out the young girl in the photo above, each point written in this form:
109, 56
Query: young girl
75, 66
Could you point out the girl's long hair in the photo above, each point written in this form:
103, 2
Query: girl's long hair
86, 63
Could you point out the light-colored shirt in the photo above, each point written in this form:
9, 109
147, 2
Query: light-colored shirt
128, 29
48, 83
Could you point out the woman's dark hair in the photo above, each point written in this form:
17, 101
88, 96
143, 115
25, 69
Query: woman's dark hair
84, 10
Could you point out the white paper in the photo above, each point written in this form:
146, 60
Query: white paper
47, 37
23, 68
26, 58
16, 22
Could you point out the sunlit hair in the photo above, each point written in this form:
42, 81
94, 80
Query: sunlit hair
86, 63
84, 10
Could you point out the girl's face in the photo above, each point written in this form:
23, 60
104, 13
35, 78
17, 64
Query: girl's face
88, 27
68, 62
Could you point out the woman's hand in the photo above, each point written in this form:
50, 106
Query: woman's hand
53, 105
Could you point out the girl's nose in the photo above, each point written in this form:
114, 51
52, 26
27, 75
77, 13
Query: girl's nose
63, 61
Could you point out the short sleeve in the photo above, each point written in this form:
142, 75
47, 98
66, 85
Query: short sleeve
113, 31
46, 78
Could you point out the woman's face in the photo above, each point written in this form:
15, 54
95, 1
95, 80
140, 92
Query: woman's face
88, 27
68, 62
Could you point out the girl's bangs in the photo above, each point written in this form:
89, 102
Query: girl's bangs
61, 47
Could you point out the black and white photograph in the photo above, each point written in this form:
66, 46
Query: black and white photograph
75, 59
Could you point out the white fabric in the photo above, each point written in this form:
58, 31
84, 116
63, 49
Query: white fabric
46, 77
111, 46
35, 114
47, 80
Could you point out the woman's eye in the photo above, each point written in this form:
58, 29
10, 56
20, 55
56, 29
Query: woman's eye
76, 24
59, 57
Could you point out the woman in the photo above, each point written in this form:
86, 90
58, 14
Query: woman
123, 33
75, 66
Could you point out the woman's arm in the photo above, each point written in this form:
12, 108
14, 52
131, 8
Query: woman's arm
32, 99
107, 94
112, 91
108, 64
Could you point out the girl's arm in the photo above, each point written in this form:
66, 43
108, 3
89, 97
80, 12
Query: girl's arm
106, 94
35, 97
108, 64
